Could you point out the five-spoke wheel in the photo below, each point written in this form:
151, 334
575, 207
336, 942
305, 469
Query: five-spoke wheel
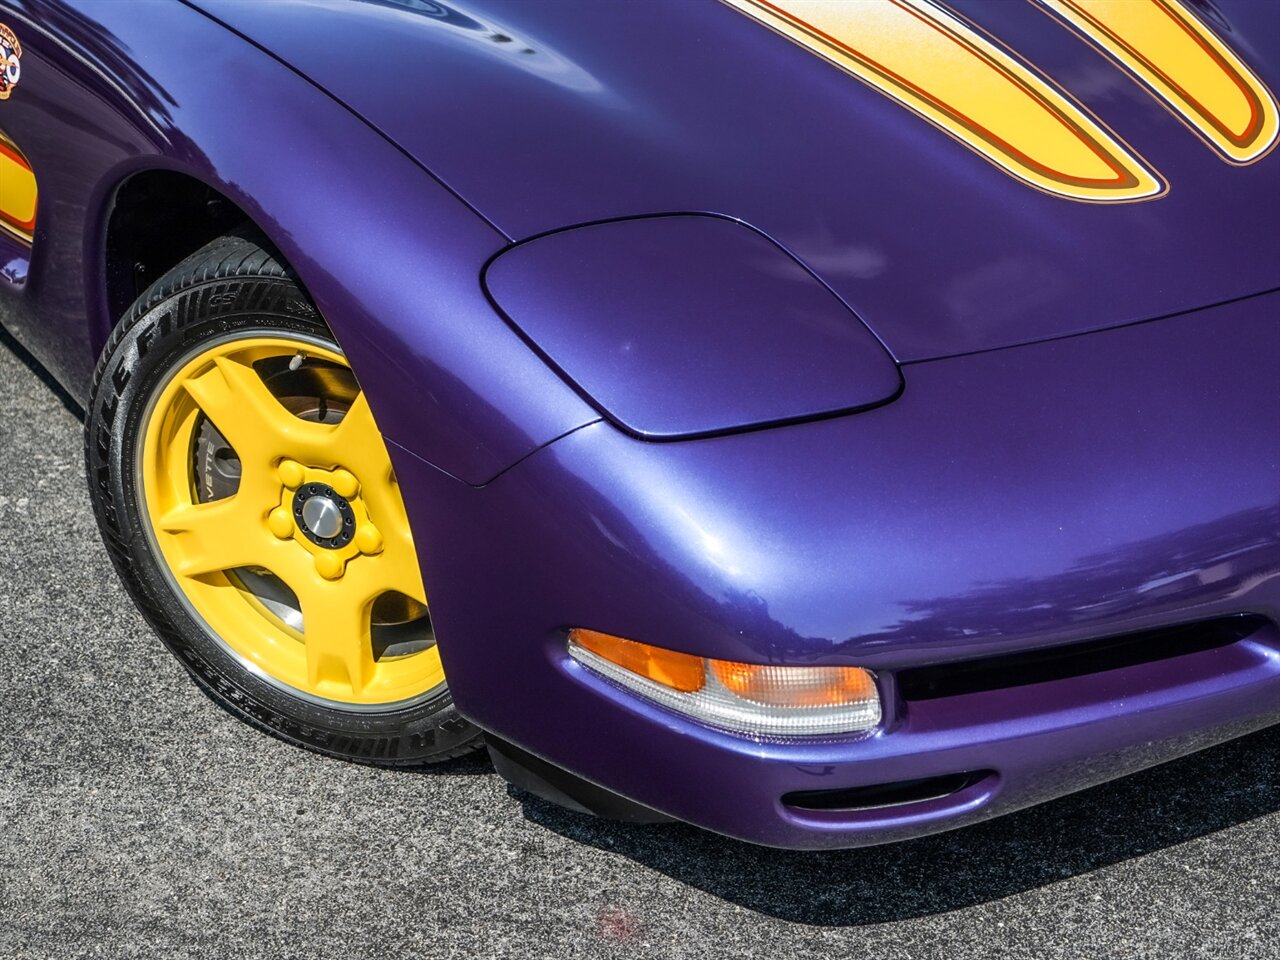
251, 506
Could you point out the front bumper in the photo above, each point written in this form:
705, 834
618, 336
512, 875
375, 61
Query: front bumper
1011, 501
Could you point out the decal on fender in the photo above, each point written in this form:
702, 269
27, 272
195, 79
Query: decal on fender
10, 61
934, 63
1163, 45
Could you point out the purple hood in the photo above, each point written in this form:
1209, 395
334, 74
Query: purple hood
542, 115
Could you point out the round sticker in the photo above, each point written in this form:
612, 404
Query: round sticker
10, 67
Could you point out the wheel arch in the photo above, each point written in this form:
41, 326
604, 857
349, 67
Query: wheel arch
152, 219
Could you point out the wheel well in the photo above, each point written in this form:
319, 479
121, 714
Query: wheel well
158, 218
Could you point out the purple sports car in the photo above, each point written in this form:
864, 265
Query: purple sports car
823, 422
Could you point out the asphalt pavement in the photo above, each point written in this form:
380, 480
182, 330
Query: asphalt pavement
137, 819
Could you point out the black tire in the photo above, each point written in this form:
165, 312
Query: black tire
237, 282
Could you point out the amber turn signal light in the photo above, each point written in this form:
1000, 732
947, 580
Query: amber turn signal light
756, 699
679, 671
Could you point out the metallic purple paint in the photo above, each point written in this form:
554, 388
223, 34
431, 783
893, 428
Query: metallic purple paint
1017, 499
409, 312
1011, 500
622, 309
669, 105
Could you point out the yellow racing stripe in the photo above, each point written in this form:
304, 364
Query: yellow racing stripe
17, 192
1186, 65
937, 65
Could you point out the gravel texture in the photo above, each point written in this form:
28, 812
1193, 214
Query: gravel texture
137, 819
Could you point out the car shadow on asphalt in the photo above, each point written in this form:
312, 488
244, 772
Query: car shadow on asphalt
1167, 805
7, 342
474, 764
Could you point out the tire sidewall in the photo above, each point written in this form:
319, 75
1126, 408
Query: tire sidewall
143, 354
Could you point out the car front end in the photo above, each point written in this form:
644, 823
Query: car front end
1060, 563
781, 455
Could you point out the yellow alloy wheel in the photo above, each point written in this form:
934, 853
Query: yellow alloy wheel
299, 559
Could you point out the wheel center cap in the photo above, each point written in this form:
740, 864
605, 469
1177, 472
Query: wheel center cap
323, 515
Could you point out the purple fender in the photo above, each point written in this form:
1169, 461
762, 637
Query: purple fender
389, 255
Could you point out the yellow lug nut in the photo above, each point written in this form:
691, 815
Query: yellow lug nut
280, 523
344, 483
329, 565
368, 539
291, 473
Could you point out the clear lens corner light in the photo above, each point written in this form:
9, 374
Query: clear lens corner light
764, 701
